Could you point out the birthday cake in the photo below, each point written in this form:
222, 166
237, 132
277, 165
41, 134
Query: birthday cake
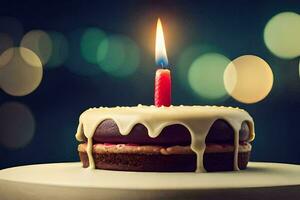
165, 139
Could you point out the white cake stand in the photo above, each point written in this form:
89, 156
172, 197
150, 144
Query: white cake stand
68, 181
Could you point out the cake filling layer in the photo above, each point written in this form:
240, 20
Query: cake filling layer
150, 149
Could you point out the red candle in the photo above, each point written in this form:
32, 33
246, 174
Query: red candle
162, 92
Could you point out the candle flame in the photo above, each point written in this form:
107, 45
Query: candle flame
160, 48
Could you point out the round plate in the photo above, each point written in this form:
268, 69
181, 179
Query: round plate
66, 181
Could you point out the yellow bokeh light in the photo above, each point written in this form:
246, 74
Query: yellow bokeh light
248, 79
39, 42
282, 35
17, 125
205, 76
21, 71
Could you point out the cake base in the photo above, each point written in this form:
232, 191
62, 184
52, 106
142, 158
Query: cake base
69, 181
165, 163
147, 158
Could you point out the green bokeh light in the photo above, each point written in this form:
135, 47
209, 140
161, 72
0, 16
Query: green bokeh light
186, 59
111, 54
76, 63
118, 56
60, 49
205, 76
282, 35
91, 39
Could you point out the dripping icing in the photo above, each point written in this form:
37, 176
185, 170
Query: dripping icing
197, 119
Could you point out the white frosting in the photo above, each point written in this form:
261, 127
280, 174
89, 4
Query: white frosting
197, 119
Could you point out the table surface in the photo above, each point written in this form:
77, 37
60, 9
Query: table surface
71, 176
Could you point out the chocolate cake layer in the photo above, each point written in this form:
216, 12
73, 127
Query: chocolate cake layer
165, 163
220, 132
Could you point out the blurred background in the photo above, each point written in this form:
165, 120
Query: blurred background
59, 58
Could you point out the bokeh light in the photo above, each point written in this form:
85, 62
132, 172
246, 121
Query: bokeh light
281, 35
17, 125
21, 71
91, 39
39, 42
248, 79
205, 76
60, 49
118, 56
76, 62
13, 28
186, 59
6, 42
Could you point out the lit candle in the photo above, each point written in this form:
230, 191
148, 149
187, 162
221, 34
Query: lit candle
162, 91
